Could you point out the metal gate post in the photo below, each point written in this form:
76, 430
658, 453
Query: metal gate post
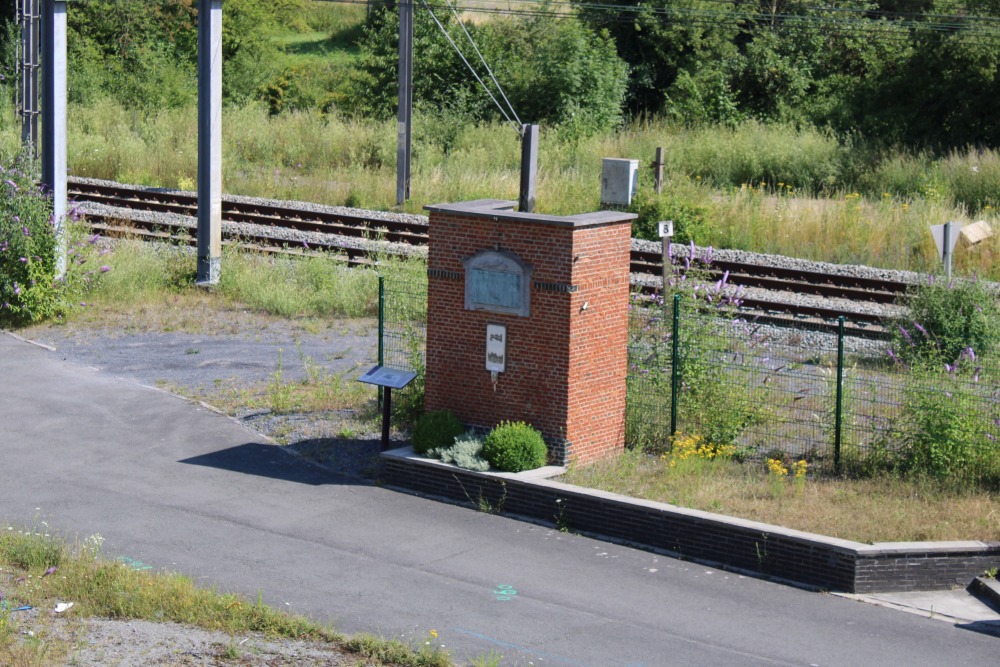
838, 417
675, 375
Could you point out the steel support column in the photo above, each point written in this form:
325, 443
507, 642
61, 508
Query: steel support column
209, 141
54, 118
405, 112
29, 18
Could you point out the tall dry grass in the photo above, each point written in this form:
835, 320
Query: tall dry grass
769, 188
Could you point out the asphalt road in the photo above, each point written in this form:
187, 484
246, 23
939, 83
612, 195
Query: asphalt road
175, 486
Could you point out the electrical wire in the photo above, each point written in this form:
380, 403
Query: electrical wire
485, 64
517, 127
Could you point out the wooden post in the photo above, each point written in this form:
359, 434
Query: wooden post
658, 171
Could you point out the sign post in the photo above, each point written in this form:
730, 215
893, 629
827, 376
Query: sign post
666, 230
388, 379
945, 238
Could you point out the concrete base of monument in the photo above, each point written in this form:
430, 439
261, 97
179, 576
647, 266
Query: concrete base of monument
759, 549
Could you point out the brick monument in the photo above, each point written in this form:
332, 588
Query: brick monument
527, 319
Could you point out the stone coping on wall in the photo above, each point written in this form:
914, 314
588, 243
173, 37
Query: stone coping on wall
503, 210
761, 549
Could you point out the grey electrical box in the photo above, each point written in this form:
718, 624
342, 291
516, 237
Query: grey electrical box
619, 179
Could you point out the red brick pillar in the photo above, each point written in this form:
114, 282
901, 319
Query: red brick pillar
558, 287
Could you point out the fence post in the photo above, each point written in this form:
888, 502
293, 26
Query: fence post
675, 375
381, 329
838, 416
658, 172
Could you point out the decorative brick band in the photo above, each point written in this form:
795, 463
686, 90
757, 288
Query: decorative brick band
748, 546
446, 275
556, 287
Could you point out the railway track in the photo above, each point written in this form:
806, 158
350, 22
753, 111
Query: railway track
775, 292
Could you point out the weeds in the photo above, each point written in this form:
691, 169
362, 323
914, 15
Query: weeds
111, 589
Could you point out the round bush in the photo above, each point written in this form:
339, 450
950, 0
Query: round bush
436, 429
514, 446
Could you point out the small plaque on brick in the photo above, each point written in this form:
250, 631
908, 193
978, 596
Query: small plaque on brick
499, 282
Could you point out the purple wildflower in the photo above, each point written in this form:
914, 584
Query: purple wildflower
906, 334
921, 329
51, 570
17, 290
105, 268
11, 184
930, 280
23, 260
969, 353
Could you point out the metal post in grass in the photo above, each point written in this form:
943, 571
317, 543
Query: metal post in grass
658, 172
675, 374
54, 118
837, 423
381, 329
404, 115
209, 141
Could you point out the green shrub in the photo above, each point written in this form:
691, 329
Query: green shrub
944, 320
466, 453
435, 430
514, 446
690, 219
29, 289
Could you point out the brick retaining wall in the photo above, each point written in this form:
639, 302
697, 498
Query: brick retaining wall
771, 551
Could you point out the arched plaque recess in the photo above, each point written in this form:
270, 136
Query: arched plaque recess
498, 281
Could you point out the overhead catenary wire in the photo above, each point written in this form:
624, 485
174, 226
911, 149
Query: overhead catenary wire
516, 126
485, 64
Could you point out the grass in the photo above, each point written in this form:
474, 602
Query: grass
111, 589
884, 509
155, 283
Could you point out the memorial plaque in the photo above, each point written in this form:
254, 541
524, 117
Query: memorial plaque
496, 288
499, 282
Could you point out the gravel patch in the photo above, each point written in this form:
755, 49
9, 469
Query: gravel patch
77, 641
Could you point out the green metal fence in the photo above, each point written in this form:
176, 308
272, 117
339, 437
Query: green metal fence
798, 393
841, 402
402, 335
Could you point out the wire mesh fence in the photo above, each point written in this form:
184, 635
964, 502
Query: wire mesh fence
846, 404
403, 340
792, 392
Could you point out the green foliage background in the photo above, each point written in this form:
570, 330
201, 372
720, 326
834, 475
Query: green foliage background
895, 73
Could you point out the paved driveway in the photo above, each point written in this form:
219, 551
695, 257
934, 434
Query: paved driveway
179, 487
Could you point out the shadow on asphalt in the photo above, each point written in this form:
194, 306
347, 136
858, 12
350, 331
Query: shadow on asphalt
991, 628
265, 460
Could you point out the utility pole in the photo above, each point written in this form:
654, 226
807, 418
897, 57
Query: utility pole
405, 112
209, 141
29, 18
54, 118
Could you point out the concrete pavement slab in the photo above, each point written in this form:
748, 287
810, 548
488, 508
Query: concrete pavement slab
179, 487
